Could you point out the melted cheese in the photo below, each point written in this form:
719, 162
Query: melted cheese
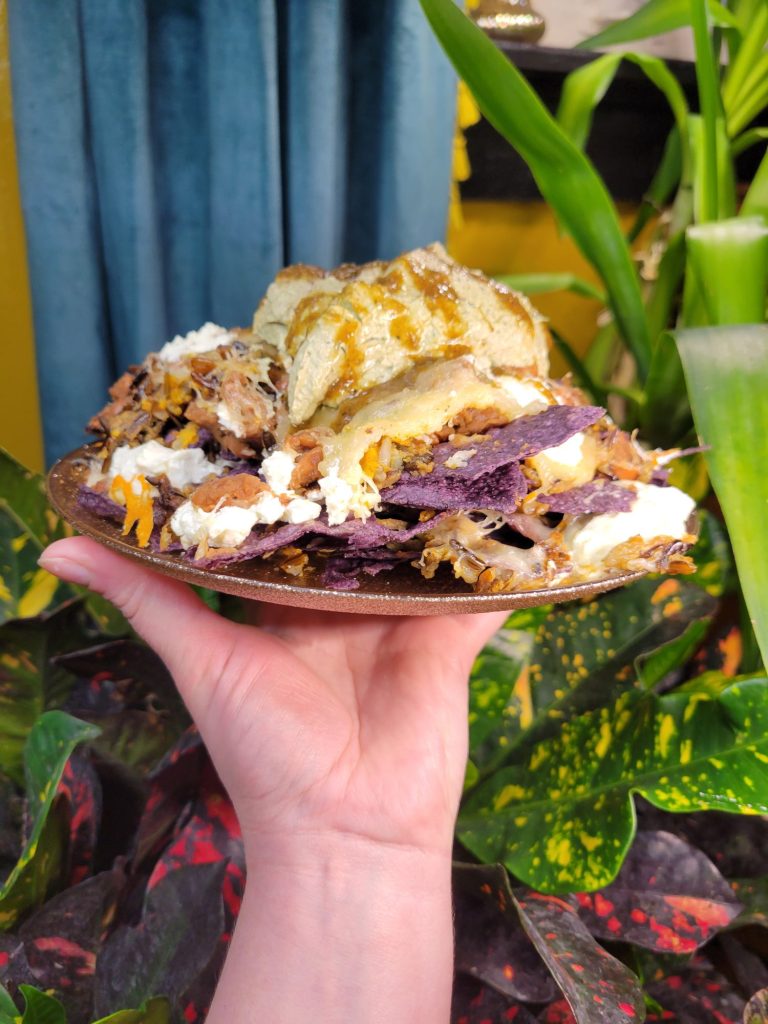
425, 402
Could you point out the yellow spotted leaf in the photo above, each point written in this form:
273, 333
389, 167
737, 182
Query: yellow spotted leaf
687, 751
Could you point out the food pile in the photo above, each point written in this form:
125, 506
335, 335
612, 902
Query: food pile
373, 416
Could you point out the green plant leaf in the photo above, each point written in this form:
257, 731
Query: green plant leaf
536, 284
28, 524
41, 1008
654, 19
8, 1009
585, 87
50, 743
557, 662
562, 819
578, 368
30, 681
715, 571
565, 176
747, 139
726, 370
154, 1011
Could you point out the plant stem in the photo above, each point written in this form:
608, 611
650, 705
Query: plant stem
729, 260
709, 100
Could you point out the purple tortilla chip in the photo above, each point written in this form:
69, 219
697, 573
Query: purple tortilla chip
358, 535
520, 439
342, 569
500, 491
596, 498
100, 504
480, 483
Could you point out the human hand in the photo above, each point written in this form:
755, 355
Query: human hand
318, 723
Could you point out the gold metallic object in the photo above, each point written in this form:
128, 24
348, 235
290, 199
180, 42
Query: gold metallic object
402, 591
508, 19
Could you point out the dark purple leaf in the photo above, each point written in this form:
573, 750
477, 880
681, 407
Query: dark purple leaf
748, 970
178, 935
596, 498
62, 940
474, 1003
599, 988
491, 944
737, 852
125, 688
80, 791
696, 994
173, 784
558, 1012
667, 897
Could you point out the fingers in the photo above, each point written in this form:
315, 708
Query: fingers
461, 637
163, 611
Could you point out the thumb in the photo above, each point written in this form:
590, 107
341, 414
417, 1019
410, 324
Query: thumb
166, 613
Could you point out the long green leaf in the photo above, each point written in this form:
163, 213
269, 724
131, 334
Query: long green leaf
565, 176
654, 19
662, 184
154, 1011
747, 139
537, 284
562, 819
584, 88
726, 370
711, 107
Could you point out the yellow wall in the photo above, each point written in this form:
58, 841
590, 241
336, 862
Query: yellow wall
20, 429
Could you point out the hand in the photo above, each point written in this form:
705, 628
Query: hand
342, 741
317, 722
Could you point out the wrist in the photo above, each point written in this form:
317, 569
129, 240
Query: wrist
338, 928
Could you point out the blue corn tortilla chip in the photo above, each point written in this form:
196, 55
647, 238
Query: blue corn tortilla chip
491, 478
596, 498
357, 534
341, 570
519, 440
500, 491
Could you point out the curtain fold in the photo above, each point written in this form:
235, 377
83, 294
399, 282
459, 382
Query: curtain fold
174, 154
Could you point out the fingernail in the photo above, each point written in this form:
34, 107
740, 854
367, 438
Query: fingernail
65, 569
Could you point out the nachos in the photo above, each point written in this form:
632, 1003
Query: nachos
395, 413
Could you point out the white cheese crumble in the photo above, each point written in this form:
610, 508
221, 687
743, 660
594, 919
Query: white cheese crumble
205, 339
301, 510
223, 528
460, 458
182, 466
277, 470
657, 512
341, 498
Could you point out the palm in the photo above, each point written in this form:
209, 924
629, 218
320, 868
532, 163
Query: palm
344, 723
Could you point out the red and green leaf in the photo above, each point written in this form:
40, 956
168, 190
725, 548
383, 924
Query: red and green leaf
598, 987
474, 1003
668, 897
491, 945
49, 746
696, 993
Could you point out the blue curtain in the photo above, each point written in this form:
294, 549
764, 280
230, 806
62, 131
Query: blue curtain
174, 154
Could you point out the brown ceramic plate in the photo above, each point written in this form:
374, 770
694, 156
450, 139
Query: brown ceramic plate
403, 591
